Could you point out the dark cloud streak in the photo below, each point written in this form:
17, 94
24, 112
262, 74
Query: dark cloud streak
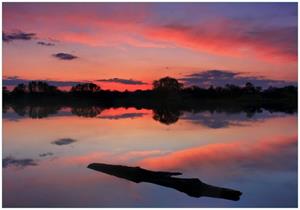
123, 81
221, 78
15, 80
65, 56
9, 37
47, 44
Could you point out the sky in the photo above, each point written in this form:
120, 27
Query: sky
128, 45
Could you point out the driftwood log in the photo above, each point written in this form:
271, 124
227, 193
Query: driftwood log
191, 186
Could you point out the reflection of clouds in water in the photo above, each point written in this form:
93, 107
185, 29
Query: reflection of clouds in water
122, 116
277, 154
20, 163
274, 154
224, 119
46, 154
237, 165
64, 141
111, 157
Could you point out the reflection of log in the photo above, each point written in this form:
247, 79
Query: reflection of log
192, 187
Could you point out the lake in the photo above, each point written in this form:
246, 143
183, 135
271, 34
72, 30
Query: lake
46, 154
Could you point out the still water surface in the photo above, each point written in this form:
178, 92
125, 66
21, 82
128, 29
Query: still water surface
45, 159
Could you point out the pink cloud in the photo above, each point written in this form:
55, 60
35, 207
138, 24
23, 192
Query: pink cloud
114, 25
231, 38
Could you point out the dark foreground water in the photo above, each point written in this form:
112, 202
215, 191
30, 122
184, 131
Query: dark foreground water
45, 157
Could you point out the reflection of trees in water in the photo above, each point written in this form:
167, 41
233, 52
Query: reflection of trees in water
89, 111
166, 115
42, 111
35, 111
5, 108
211, 115
252, 111
20, 109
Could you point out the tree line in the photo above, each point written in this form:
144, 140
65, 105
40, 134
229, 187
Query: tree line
168, 99
166, 86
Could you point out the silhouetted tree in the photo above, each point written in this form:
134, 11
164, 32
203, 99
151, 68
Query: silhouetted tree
85, 87
251, 89
20, 89
287, 92
32, 87
5, 91
167, 84
41, 87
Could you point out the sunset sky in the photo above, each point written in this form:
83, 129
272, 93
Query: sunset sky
128, 45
